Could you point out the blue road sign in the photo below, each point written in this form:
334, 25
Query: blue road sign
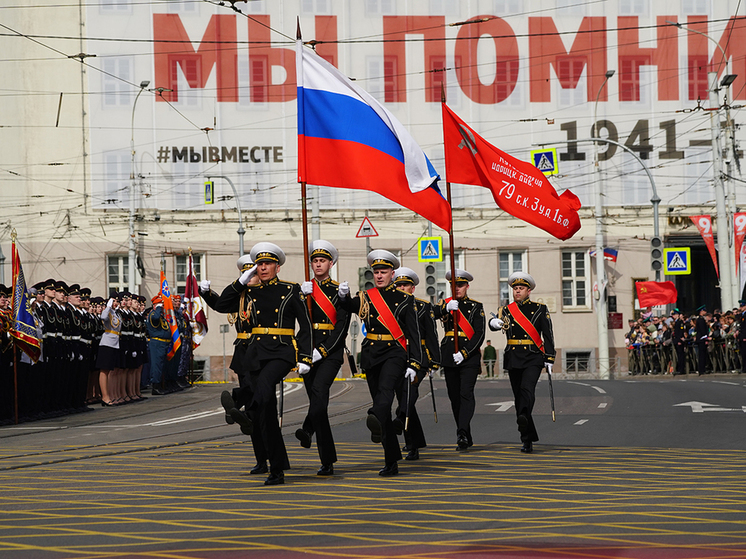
677, 261
431, 249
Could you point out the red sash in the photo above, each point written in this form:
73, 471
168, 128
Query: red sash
461, 323
525, 323
324, 302
386, 317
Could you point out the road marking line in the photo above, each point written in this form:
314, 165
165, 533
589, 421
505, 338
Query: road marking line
602, 405
580, 422
601, 390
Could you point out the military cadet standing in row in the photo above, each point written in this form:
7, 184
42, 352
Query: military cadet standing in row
391, 350
678, 338
239, 314
530, 348
159, 333
462, 366
742, 333
330, 323
407, 419
274, 348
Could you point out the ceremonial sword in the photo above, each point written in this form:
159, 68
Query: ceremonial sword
432, 393
282, 398
551, 390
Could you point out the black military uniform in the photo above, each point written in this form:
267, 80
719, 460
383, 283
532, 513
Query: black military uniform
330, 323
383, 358
409, 392
523, 359
702, 332
678, 337
461, 372
239, 311
274, 348
742, 334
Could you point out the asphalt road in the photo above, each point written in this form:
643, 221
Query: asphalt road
639, 467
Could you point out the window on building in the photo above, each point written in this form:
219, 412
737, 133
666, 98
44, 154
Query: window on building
117, 272
182, 270
185, 77
114, 7
695, 7
575, 280
315, 6
570, 70
379, 7
633, 7
180, 7
577, 361
507, 7
509, 262
115, 82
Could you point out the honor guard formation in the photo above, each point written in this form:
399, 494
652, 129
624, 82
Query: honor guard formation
283, 326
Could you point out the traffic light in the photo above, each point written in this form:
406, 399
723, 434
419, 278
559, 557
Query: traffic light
656, 254
430, 282
365, 278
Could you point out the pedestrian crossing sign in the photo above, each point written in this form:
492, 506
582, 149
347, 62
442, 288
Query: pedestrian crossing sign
545, 160
677, 261
431, 249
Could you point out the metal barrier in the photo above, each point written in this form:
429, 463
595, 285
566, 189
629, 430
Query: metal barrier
656, 358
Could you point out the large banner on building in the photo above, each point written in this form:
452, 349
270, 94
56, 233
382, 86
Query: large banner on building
220, 96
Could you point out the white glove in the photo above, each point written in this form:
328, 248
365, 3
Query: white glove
110, 303
134, 354
411, 374
317, 355
72, 357
549, 367
458, 358
344, 289
306, 287
496, 324
247, 275
452, 305
204, 285
303, 369
80, 357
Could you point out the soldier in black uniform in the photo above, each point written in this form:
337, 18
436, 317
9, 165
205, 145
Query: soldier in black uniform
741, 318
702, 333
330, 323
391, 350
274, 349
462, 367
408, 393
240, 316
526, 354
678, 337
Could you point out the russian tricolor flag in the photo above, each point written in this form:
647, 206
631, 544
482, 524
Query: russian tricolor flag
347, 139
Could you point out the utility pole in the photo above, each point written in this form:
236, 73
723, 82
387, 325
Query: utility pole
725, 249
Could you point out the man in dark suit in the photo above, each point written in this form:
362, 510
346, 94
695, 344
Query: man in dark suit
702, 332
678, 336
392, 348
408, 393
239, 315
530, 348
461, 367
274, 348
330, 322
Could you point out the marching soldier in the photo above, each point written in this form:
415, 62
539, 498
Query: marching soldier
407, 280
330, 322
274, 349
391, 350
240, 316
526, 324
461, 367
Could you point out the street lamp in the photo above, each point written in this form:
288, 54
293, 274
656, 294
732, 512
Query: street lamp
131, 256
240, 230
601, 316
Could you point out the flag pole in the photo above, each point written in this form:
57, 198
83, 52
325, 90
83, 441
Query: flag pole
304, 205
12, 317
450, 242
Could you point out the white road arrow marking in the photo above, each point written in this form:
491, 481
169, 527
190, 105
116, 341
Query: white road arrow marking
701, 407
502, 406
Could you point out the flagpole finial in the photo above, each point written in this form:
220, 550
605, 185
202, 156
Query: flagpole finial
442, 93
297, 32
13, 235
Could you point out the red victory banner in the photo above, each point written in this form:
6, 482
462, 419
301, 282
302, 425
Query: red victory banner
652, 293
518, 187
704, 225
